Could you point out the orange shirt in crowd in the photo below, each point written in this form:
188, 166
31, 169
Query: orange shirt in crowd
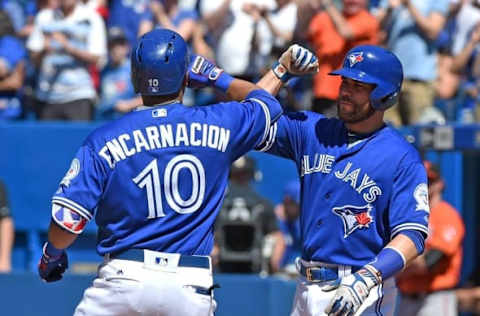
446, 232
330, 47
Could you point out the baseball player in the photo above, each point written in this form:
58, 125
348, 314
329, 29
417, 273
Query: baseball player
154, 181
364, 206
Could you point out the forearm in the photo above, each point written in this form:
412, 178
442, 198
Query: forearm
6, 240
164, 21
216, 18
430, 26
144, 27
270, 83
14, 81
278, 251
461, 60
239, 89
59, 237
383, 15
82, 55
341, 24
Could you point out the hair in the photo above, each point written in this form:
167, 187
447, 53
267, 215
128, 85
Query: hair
6, 25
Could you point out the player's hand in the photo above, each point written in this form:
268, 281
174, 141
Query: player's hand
202, 73
296, 60
50, 267
351, 292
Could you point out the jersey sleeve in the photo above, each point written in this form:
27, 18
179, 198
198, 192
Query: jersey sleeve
83, 184
409, 207
252, 119
284, 137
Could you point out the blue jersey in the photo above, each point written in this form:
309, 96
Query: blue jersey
155, 178
356, 196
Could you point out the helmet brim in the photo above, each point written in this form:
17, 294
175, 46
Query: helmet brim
355, 74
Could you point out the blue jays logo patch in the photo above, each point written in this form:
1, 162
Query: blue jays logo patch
354, 217
355, 58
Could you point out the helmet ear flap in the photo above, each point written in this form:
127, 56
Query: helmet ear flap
384, 97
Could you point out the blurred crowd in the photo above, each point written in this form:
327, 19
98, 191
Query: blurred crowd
69, 59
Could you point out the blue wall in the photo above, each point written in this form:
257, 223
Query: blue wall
23, 294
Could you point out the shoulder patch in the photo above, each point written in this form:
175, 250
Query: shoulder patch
68, 219
72, 172
421, 197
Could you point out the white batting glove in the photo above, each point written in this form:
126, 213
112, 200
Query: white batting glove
351, 291
296, 60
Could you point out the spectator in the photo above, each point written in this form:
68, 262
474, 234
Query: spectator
133, 17
6, 232
413, 27
236, 31
288, 216
243, 225
169, 15
21, 14
275, 27
12, 68
467, 62
467, 17
469, 296
426, 284
333, 33
117, 96
63, 44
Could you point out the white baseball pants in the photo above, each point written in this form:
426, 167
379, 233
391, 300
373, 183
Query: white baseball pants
153, 287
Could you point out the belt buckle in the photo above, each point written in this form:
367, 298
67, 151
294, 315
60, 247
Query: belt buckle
308, 274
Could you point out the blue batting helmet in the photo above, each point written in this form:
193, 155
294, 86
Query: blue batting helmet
378, 66
159, 62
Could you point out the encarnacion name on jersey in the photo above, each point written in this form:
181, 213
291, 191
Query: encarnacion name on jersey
162, 136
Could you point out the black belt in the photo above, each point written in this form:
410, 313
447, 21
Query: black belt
318, 274
185, 260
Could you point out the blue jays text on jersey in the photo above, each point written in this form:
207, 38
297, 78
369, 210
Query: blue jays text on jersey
155, 178
356, 196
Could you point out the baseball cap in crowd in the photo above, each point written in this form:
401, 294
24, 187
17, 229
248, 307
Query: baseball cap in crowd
433, 171
116, 35
292, 190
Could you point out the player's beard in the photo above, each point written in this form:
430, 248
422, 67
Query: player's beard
358, 114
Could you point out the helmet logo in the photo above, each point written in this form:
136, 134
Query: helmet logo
354, 58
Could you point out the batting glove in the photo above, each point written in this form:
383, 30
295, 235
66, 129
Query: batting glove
351, 291
296, 60
53, 263
203, 73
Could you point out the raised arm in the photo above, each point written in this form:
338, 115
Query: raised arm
296, 60
430, 25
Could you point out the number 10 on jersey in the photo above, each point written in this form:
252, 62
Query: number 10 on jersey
149, 179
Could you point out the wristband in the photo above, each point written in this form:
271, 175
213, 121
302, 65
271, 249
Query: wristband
281, 72
388, 262
223, 81
51, 251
